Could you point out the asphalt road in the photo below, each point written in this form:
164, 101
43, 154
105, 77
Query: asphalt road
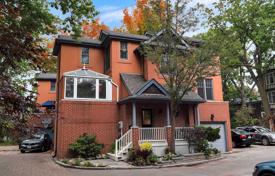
240, 163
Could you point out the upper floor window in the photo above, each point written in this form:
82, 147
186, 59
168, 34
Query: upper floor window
88, 88
270, 78
205, 88
271, 97
85, 56
123, 50
52, 89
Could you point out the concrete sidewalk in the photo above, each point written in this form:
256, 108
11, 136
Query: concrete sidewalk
9, 148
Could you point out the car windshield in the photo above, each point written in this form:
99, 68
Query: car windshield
263, 130
37, 136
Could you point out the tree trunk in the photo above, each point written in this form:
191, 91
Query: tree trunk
266, 106
243, 97
172, 122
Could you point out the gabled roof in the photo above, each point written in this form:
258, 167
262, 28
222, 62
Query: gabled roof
86, 73
132, 82
45, 76
137, 88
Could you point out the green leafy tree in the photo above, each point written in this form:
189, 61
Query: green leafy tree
179, 64
24, 25
252, 24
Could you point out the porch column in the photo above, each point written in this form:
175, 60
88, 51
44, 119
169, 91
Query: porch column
134, 115
197, 113
135, 129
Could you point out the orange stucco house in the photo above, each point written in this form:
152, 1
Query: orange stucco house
106, 88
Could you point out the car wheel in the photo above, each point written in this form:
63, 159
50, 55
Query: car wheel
267, 174
248, 145
22, 151
42, 148
265, 141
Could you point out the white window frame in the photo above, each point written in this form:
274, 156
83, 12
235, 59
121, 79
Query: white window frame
268, 78
108, 90
204, 89
271, 92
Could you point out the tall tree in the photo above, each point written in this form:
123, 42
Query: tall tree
146, 17
178, 60
252, 23
23, 48
92, 29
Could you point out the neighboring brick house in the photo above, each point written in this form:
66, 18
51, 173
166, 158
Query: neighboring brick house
43, 118
106, 88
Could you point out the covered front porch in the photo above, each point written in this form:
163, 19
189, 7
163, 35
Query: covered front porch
145, 116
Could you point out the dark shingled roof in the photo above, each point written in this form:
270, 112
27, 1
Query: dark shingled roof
134, 82
122, 35
63, 39
45, 76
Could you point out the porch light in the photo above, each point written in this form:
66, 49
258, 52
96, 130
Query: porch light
212, 117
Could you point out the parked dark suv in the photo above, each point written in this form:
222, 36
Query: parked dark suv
38, 142
261, 134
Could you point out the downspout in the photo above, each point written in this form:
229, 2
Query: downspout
57, 109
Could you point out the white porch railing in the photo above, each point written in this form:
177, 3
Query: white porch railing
152, 134
123, 143
181, 133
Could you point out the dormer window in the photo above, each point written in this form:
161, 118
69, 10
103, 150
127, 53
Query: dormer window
123, 50
87, 84
85, 56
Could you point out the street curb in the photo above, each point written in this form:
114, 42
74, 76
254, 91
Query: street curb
9, 150
138, 167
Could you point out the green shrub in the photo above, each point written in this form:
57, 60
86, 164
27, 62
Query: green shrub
86, 147
152, 159
139, 161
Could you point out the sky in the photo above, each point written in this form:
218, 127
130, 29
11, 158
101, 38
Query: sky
111, 11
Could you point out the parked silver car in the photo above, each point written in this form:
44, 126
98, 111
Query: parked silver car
260, 134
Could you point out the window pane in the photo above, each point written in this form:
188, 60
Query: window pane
69, 87
123, 50
102, 89
85, 56
85, 88
52, 86
209, 93
201, 92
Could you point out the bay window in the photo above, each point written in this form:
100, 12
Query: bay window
88, 88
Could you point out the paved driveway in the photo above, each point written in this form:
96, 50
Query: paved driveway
240, 163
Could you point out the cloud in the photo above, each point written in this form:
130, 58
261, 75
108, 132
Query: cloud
113, 14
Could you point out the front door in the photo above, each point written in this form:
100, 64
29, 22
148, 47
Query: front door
147, 116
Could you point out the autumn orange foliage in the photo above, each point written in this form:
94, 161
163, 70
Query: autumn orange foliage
145, 17
92, 30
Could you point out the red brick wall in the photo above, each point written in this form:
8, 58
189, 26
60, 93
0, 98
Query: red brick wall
78, 117
220, 110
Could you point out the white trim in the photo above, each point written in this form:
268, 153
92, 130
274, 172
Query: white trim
97, 89
108, 90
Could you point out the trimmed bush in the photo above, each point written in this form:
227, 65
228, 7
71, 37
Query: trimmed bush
86, 147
